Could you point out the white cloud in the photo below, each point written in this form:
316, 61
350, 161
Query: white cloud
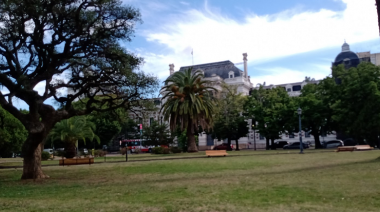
215, 37
280, 75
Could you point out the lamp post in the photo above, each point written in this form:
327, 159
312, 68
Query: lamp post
299, 111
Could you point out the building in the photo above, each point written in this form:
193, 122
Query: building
218, 72
224, 71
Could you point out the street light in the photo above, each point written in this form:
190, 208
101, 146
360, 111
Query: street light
299, 111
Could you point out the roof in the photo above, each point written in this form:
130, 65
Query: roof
220, 69
346, 55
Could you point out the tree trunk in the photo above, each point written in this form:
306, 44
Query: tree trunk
70, 150
318, 144
273, 147
31, 150
229, 144
237, 145
378, 12
191, 146
267, 143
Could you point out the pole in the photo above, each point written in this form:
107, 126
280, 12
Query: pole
301, 144
254, 139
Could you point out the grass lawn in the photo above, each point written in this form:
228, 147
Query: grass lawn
319, 181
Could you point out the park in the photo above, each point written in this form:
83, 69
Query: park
90, 122
318, 180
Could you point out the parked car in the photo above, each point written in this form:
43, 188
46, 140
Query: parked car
281, 144
84, 151
349, 142
50, 151
332, 144
223, 146
295, 145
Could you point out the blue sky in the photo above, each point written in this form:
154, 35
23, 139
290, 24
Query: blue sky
285, 40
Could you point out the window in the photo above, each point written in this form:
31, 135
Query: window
297, 88
289, 90
151, 121
231, 74
261, 137
307, 134
291, 135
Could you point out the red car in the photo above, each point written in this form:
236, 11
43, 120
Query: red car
223, 146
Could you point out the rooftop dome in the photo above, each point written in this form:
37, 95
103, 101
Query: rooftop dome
346, 54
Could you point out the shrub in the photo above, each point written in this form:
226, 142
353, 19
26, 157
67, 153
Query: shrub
175, 149
166, 150
99, 153
59, 153
157, 150
45, 155
160, 150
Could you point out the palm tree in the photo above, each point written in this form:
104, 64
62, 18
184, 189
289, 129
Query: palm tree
188, 103
71, 130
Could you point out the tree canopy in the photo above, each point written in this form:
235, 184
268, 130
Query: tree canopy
229, 121
73, 49
12, 134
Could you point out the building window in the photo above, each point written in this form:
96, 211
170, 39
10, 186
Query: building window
231, 74
307, 134
261, 137
151, 121
297, 88
289, 90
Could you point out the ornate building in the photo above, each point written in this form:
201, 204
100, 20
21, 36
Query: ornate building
223, 71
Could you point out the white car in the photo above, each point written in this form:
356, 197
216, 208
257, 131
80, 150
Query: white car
50, 151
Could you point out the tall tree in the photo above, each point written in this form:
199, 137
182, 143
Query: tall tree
72, 48
188, 103
274, 112
71, 130
356, 102
229, 122
157, 134
316, 111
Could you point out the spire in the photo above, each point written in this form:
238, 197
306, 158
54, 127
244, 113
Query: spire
245, 65
171, 68
345, 47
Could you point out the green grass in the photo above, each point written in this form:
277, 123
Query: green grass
259, 181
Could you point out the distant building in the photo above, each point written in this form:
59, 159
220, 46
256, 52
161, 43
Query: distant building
224, 71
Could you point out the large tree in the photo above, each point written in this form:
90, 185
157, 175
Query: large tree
316, 111
274, 112
229, 122
72, 49
356, 101
188, 103
157, 134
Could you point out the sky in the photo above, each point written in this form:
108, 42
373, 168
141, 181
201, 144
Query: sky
285, 40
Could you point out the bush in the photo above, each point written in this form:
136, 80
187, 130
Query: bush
166, 150
59, 153
99, 153
45, 155
175, 149
160, 150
